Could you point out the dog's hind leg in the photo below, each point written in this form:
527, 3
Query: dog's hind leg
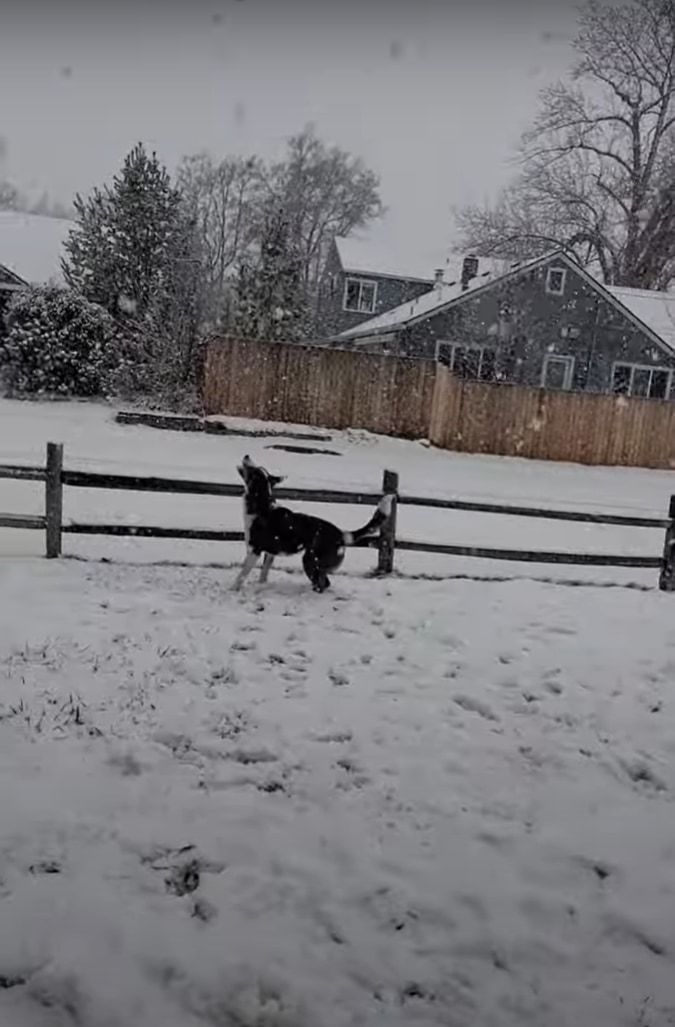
268, 560
247, 566
314, 571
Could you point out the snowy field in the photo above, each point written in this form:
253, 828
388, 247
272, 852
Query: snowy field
436, 800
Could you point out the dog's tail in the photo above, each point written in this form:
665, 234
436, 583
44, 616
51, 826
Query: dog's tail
382, 514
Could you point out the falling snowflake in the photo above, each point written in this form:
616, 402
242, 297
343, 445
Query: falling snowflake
127, 304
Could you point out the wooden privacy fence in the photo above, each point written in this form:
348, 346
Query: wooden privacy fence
511, 420
331, 388
56, 477
318, 386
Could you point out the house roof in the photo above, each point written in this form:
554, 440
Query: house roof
31, 245
384, 259
442, 296
656, 310
653, 312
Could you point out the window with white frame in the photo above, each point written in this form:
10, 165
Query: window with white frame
477, 363
642, 380
360, 296
557, 371
555, 281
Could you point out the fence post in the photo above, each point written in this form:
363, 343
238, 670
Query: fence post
54, 499
387, 540
667, 575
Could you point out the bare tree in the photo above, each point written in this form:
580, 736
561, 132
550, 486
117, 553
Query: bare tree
48, 207
316, 191
223, 198
324, 191
598, 164
10, 198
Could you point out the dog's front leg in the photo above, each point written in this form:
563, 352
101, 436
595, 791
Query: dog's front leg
268, 560
247, 566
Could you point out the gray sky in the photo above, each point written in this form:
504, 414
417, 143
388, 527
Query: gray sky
431, 93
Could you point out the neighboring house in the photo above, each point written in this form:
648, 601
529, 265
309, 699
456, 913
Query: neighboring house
9, 284
364, 277
31, 247
360, 280
544, 322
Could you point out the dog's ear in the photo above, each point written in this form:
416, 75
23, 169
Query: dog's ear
276, 479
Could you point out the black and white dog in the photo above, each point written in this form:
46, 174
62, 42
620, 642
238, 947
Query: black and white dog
273, 530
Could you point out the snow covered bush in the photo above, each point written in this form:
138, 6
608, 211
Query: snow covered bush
57, 342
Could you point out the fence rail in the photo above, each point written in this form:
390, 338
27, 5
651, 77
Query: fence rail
580, 516
532, 556
22, 473
26, 521
55, 478
153, 531
185, 486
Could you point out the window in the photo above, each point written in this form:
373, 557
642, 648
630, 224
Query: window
555, 281
557, 372
360, 296
642, 380
475, 363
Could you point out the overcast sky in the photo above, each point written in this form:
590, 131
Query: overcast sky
431, 93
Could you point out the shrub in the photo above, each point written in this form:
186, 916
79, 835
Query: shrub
57, 342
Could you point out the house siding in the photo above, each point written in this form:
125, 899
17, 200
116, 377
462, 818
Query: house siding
9, 285
523, 323
4, 300
333, 319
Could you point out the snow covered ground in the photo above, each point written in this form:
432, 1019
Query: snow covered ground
421, 802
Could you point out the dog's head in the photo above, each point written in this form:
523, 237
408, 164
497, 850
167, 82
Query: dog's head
258, 485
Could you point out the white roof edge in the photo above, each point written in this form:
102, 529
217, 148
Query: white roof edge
385, 274
380, 259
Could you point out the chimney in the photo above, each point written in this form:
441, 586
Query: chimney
438, 276
469, 270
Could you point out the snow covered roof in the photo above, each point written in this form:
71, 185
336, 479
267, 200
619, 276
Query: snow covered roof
372, 257
385, 258
31, 245
656, 310
442, 295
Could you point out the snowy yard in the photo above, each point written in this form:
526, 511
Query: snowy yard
415, 802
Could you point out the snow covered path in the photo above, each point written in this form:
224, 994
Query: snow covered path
416, 803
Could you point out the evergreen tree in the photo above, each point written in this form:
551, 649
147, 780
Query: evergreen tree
121, 252
271, 295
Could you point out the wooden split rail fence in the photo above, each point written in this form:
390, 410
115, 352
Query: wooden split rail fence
56, 477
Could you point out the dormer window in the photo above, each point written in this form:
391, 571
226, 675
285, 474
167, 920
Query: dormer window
360, 296
555, 281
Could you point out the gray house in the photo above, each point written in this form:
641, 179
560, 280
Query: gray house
9, 284
544, 322
356, 284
